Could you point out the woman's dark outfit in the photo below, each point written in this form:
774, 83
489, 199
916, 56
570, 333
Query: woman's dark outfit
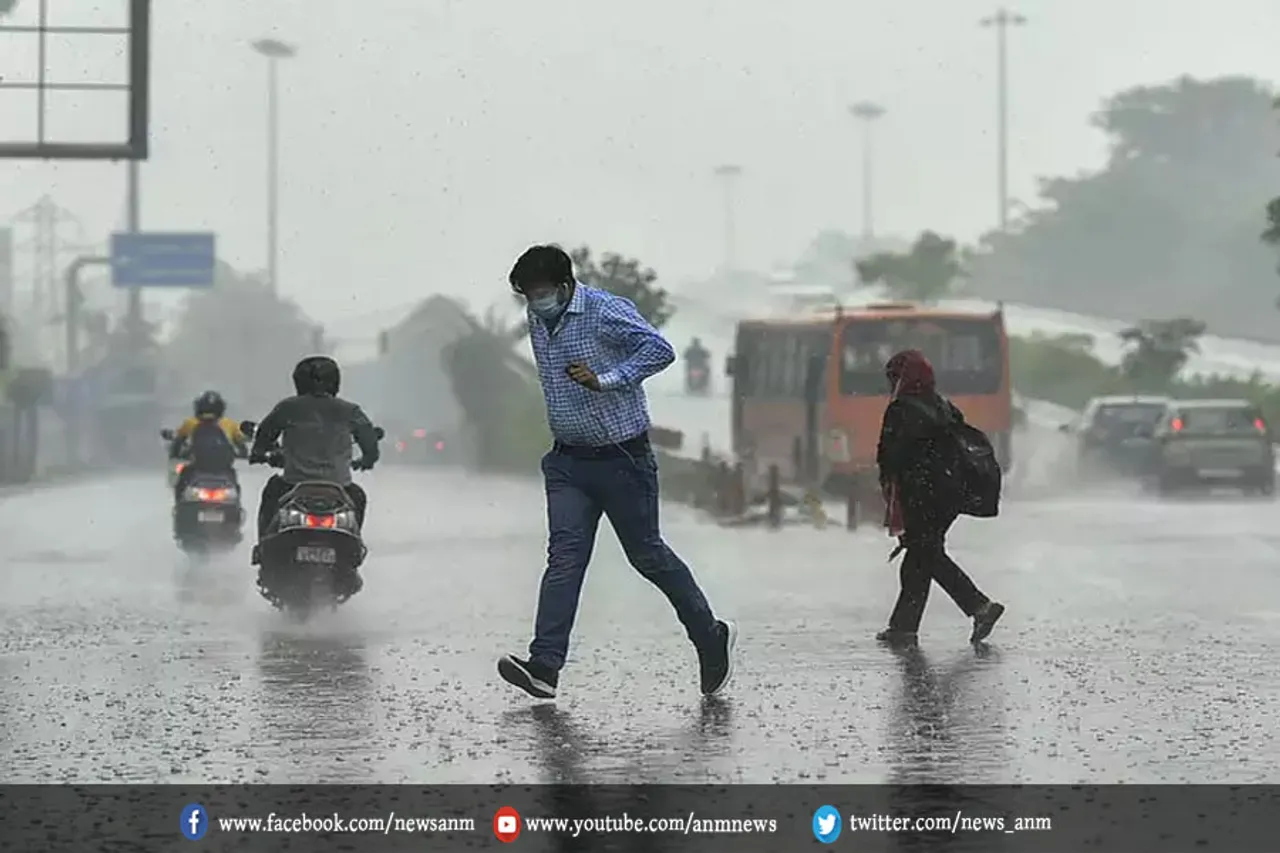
914, 466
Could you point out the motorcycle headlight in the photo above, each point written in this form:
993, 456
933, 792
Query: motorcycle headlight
291, 518
345, 520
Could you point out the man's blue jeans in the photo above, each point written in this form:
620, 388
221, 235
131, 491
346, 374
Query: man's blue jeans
625, 489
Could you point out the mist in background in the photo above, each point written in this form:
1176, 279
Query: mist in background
426, 143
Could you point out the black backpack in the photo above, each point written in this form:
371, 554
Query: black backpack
209, 447
977, 471
970, 467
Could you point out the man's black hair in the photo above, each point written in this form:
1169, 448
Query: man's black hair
541, 264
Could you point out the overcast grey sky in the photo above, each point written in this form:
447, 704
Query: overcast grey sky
429, 141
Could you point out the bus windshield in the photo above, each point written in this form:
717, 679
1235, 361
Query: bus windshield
965, 353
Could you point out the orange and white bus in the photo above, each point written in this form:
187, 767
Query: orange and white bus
809, 392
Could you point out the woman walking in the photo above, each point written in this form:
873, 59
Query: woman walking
923, 499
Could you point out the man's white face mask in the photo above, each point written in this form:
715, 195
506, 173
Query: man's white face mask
550, 304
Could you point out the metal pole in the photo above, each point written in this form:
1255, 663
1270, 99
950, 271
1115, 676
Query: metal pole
274, 50
74, 301
868, 215
273, 171
1002, 124
42, 52
1002, 20
867, 114
730, 241
728, 175
133, 225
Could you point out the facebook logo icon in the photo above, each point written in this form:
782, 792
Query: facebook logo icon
195, 822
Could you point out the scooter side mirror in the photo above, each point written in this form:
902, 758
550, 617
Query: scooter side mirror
167, 434
380, 433
248, 428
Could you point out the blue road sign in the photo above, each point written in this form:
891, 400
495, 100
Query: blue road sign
163, 260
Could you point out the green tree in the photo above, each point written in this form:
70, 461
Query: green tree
625, 277
924, 273
240, 338
1158, 350
1170, 223
1272, 234
1061, 369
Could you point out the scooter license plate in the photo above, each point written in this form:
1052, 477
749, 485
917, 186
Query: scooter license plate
211, 516
313, 554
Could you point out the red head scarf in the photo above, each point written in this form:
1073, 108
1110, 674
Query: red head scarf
910, 373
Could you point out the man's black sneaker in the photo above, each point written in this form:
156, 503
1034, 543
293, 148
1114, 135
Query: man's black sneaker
891, 637
715, 664
536, 679
984, 620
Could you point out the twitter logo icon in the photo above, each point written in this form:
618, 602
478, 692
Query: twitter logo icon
826, 824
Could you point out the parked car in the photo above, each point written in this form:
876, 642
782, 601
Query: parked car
1200, 444
1114, 434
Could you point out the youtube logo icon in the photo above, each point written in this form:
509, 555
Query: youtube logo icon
506, 824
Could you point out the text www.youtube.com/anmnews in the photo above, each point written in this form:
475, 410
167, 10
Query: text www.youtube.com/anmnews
337, 823
689, 824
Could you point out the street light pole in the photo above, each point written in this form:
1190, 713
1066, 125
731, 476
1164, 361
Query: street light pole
728, 175
1002, 20
867, 113
133, 224
274, 50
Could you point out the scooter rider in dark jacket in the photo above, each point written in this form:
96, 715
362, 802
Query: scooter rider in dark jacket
697, 355
315, 429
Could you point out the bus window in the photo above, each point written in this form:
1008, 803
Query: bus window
774, 363
965, 353
780, 364
796, 366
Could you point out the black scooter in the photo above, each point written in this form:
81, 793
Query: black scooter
312, 548
208, 515
697, 380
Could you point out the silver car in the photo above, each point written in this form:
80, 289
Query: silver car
1113, 434
1207, 443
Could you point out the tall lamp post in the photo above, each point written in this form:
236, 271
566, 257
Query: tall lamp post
728, 175
1002, 20
867, 113
274, 50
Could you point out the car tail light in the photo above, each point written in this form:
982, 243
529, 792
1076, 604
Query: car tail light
1176, 425
439, 445
1260, 425
419, 433
327, 522
399, 447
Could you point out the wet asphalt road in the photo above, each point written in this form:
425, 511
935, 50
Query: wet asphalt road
1140, 646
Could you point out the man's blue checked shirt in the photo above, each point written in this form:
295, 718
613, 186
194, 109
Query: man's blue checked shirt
607, 334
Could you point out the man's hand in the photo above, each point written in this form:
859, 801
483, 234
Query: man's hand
583, 375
